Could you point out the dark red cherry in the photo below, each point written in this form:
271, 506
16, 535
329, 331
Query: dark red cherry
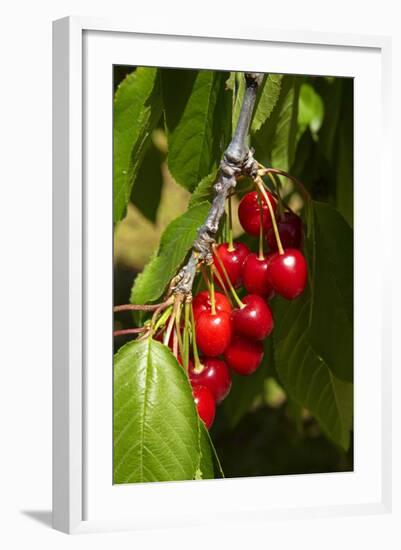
290, 230
201, 302
215, 375
249, 212
288, 273
254, 320
232, 261
254, 276
213, 332
205, 404
243, 355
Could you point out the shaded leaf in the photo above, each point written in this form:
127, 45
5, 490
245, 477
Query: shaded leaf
198, 128
175, 243
147, 187
275, 142
306, 376
157, 436
137, 110
267, 98
332, 308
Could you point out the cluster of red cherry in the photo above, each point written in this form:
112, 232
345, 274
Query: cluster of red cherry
231, 338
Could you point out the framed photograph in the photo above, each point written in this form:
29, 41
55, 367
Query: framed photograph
219, 333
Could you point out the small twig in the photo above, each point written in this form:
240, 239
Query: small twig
135, 307
125, 331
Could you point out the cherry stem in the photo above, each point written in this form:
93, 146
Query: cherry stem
197, 362
230, 286
160, 308
276, 182
264, 171
178, 330
221, 282
125, 331
185, 358
163, 318
259, 183
136, 307
230, 225
261, 255
170, 325
205, 277
212, 296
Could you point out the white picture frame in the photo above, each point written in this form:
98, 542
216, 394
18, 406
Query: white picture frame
83, 496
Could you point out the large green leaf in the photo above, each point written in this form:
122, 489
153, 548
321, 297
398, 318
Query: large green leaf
198, 126
276, 139
157, 431
267, 98
305, 375
175, 243
332, 308
137, 109
147, 188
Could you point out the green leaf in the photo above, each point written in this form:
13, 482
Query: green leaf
157, 432
305, 375
204, 190
198, 126
137, 110
275, 142
267, 98
332, 308
310, 110
175, 243
345, 153
147, 188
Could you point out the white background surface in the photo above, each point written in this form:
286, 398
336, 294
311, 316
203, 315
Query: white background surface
25, 400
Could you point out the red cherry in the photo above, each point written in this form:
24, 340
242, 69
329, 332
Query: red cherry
232, 261
201, 302
205, 404
213, 332
214, 375
290, 231
244, 356
249, 212
288, 273
254, 320
254, 276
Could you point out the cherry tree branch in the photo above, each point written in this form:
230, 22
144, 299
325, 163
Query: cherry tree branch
237, 161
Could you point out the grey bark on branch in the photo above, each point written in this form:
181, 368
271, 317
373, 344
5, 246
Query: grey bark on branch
237, 161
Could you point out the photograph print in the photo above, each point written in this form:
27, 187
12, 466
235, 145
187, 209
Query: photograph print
233, 274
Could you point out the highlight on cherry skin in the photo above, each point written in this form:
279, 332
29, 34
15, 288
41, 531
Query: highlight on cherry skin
213, 332
288, 273
249, 212
214, 374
